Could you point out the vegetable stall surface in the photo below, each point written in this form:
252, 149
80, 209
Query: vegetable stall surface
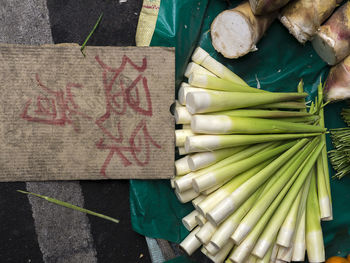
257, 181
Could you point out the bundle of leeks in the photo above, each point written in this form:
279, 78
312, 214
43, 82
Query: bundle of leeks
255, 168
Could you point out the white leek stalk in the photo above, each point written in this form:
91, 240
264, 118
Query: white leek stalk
180, 99
207, 230
270, 232
184, 90
204, 143
212, 189
215, 83
222, 124
195, 68
220, 256
186, 196
197, 200
172, 182
282, 105
185, 183
267, 257
246, 244
282, 180
251, 259
314, 237
210, 101
181, 166
212, 200
181, 135
323, 198
274, 253
189, 221
201, 57
285, 253
182, 150
325, 159
230, 203
204, 159
182, 115
201, 220
306, 119
268, 114
299, 241
226, 229
225, 173
190, 244
287, 230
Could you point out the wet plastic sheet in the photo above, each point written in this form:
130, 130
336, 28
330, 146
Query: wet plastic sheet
278, 65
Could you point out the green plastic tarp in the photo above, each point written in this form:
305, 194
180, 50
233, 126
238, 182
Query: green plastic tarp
278, 65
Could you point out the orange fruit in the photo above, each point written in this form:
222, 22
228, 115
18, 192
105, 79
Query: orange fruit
337, 260
348, 258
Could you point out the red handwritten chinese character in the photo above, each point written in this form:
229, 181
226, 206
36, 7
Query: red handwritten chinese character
56, 107
117, 102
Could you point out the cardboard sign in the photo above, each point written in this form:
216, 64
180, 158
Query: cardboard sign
64, 116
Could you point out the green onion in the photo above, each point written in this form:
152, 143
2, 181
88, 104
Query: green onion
203, 143
314, 238
182, 116
184, 90
206, 232
185, 183
249, 167
251, 113
210, 101
195, 68
181, 135
181, 166
230, 203
323, 184
189, 221
299, 242
225, 173
190, 244
204, 159
211, 82
212, 200
270, 232
283, 177
201, 57
222, 124
227, 228
281, 105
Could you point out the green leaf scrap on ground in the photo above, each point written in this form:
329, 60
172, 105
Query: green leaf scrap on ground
90, 34
68, 205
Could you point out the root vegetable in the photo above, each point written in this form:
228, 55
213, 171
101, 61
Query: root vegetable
261, 7
304, 17
338, 82
332, 41
236, 32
